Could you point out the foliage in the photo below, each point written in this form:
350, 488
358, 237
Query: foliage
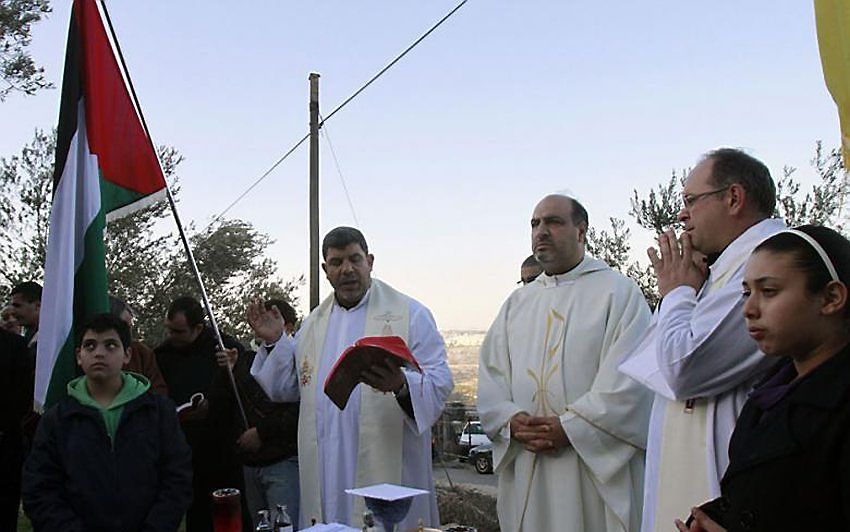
17, 67
823, 204
25, 191
659, 210
147, 267
231, 258
613, 246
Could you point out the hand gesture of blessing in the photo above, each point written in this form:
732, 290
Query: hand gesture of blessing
268, 325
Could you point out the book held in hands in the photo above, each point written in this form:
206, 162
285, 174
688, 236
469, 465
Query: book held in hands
365, 353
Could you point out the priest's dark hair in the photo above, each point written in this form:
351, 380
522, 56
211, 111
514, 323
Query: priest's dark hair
807, 259
340, 237
190, 308
101, 323
578, 212
29, 290
286, 311
734, 167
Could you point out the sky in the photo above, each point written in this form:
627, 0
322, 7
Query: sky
446, 155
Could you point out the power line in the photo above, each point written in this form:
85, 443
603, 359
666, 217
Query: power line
257, 182
394, 61
337, 109
327, 136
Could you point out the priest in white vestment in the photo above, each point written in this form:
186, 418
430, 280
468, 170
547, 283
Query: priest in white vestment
697, 355
568, 429
384, 433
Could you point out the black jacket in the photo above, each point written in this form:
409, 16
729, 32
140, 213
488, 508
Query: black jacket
15, 386
276, 423
790, 466
75, 479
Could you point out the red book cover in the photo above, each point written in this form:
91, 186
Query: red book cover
365, 353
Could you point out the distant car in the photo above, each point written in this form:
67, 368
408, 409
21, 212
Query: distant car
471, 436
481, 458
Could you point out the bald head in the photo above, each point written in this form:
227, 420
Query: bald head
558, 232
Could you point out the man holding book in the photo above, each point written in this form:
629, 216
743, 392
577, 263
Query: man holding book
384, 432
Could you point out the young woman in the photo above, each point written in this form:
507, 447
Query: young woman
790, 451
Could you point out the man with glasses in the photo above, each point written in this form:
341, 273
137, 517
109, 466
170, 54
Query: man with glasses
697, 355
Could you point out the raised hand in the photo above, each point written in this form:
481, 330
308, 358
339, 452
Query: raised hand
268, 325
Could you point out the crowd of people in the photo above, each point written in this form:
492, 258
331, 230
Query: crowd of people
725, 408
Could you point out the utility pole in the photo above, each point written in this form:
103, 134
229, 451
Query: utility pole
314, 190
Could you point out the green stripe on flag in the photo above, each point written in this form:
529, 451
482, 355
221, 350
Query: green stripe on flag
114, 197
90, 297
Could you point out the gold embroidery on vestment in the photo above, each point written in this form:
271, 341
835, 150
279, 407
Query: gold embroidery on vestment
306, 372
555, 325
387, 317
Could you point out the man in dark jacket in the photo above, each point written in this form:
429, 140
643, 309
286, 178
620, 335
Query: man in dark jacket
110, 456
17, 402
188, 363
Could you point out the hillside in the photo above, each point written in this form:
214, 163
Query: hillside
462, 349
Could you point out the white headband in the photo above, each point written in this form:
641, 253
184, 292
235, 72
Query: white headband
817, 247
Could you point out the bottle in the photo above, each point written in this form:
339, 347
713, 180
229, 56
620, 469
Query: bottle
263, 524
282, 521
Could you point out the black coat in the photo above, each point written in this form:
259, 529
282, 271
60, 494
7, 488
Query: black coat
790, 466
276, 423
75, 479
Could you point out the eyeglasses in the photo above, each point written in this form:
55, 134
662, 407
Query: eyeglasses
688, 200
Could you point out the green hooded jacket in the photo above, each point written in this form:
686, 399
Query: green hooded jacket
132, 387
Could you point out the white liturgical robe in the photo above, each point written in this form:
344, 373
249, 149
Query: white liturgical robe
697, 348
553, 350
285, 371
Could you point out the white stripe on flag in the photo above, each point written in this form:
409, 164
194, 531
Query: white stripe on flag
76, 203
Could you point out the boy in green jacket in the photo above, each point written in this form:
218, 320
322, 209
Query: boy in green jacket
110, 455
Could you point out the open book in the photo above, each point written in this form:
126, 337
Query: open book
365, 353
191, 410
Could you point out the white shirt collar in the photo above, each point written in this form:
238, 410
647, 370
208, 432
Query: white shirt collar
339, 308
566, 277
744, 244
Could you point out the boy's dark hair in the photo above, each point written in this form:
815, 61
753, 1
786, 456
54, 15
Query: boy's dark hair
286, 310
190, 308
341, 237
808, 261
100, 323
29, 290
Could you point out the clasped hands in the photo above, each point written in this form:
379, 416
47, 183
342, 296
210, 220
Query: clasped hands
539, 434
679, 264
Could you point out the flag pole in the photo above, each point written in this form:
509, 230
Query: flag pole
192, 264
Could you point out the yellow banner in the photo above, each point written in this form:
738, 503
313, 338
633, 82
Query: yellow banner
833, 26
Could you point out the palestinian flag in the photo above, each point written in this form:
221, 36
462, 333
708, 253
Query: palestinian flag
105, 167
